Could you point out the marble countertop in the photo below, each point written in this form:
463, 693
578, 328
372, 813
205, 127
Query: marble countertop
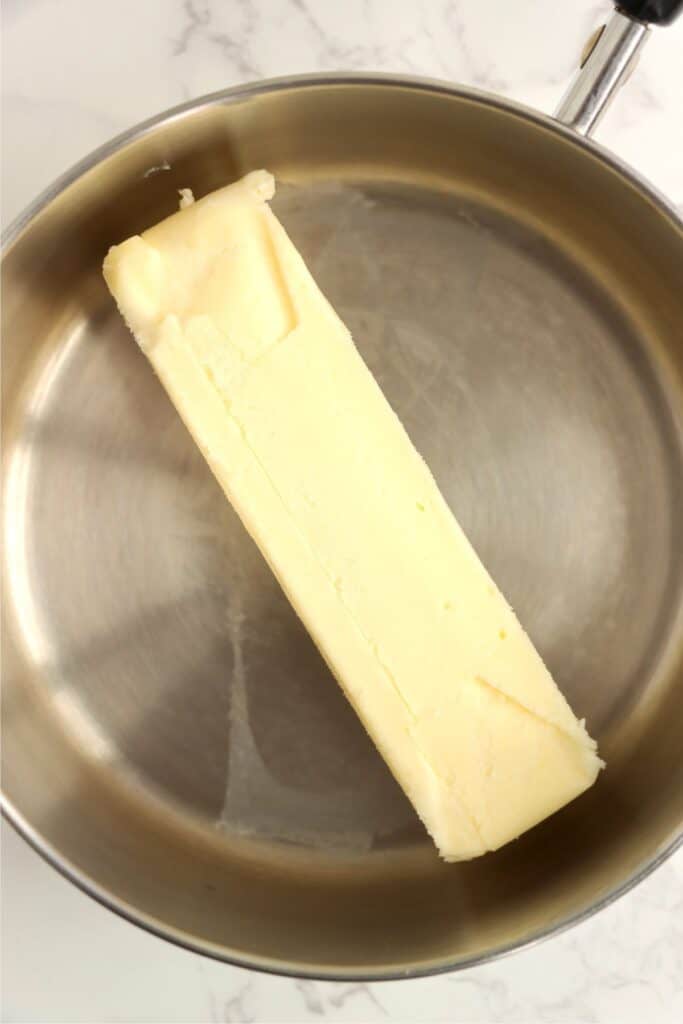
65, 957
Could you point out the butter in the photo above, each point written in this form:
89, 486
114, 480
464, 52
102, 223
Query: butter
303, 442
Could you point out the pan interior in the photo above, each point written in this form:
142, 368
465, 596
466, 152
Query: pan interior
157, 643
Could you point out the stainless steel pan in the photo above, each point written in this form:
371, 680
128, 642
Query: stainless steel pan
172, 741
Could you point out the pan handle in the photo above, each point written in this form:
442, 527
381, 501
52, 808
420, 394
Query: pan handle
609, 59
655, 12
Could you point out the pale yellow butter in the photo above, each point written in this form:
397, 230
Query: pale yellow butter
306, 447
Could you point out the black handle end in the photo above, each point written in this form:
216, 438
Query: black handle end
655, 12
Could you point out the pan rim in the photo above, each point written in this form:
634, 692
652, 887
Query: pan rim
13, 232
349, 79
282, 968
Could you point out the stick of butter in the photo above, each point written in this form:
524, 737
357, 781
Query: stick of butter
304, 444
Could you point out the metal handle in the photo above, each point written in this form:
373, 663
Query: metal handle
610, 58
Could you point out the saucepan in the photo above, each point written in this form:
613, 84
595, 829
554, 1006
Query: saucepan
172, 741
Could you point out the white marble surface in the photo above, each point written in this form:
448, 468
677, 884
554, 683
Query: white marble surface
64, 92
